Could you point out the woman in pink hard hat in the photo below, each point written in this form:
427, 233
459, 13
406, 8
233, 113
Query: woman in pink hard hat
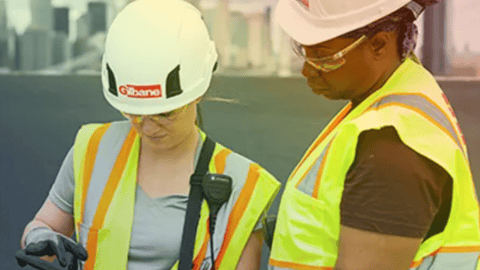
387, 184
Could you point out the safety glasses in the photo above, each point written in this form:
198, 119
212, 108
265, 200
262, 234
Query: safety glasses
161, 118
329, 63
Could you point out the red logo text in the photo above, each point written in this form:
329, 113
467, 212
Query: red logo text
141, 91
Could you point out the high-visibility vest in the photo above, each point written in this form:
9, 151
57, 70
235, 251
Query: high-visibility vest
308, 224
105, 167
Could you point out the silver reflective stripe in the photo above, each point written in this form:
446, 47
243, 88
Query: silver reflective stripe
308, 183
425, 106
441, 261
425, 264
450, 261
278, 268
108, 150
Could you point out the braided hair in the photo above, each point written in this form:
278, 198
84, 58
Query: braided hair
402, 20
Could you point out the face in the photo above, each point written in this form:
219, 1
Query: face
166, 136
348, 81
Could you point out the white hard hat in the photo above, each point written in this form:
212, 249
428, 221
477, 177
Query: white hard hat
314, 21
158, 57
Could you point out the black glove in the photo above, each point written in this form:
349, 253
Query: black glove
43, 241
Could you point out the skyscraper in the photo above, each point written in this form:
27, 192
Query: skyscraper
36, 43
80, 45
42, 14
61, 20
3, 35
36, 48
3, 20
60, 43
98, 17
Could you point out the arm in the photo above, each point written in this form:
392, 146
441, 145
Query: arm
364, 250
250, 259
392, 200
52, 217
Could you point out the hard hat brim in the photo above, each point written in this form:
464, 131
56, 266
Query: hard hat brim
298, 22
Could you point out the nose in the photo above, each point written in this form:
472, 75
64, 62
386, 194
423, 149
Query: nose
150, 127
309, 71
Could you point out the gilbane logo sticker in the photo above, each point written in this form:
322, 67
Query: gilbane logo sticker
141, 91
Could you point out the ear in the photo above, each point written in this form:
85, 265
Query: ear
381, 43
197, 100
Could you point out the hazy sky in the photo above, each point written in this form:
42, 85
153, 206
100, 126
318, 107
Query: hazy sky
464, 26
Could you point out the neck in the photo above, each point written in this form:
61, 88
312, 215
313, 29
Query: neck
172, 155
382, 79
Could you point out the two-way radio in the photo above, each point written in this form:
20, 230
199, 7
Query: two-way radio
216, 190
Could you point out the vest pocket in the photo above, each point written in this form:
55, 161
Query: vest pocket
305, 229
87, 231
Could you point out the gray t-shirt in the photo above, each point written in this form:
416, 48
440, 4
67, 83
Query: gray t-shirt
157, 222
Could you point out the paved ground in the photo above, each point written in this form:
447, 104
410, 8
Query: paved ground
271, 120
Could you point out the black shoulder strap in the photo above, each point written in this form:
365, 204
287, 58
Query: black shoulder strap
193, 206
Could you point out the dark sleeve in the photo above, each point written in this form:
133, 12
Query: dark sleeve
391, 189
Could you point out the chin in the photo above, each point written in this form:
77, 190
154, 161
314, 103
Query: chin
319, 92
328, 94
159, 143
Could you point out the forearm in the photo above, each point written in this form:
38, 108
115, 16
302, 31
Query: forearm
31, 226
250, 259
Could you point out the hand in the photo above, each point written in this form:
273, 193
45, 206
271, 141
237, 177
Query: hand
45, 242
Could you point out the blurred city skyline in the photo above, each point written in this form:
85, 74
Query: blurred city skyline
462, 19
20, 17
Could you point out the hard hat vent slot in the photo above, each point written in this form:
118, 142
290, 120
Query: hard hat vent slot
173, 83
112, 83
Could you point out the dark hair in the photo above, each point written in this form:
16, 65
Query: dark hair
401, 20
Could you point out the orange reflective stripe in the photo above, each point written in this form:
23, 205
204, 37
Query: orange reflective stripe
298, 266
107, 197
91, 248
238, 210
324, 134
416, 263
463, 249
197, 262
221, 159
320, 172
89, 162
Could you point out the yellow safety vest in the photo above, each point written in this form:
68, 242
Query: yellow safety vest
106, 158
308, 224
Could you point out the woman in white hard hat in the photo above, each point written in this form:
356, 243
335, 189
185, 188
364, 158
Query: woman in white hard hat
124, 186
387, 184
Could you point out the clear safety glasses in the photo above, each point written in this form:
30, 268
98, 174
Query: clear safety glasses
161, 118
329, 63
